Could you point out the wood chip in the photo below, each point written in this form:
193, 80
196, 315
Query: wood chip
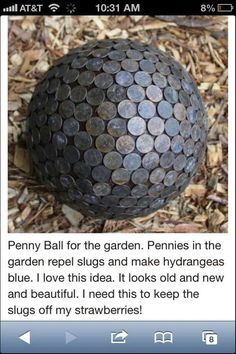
21, 159
74, 217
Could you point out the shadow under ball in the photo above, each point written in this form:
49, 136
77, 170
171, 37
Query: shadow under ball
116, 129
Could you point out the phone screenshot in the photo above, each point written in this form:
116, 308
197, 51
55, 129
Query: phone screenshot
117, 177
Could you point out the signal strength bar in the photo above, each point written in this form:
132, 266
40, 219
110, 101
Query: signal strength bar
13, 8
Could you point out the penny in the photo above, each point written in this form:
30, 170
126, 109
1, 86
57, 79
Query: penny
181, 180
101, 189
142, 78
117, 127
107, 110
79, 62
125, 144
144, 143
144, 202
53, 86
120, 176
167, 159
74, 194
62, 165
70, 127
147, 66
187, 86
190, 165
95, 126
101, 52
112, 160
191, 114
136, 126
140, 176
185, 128
196, 132
50, 151
128, 202
134, 54
116, 93
150, 160
170, 178
136, 93
163, 68
71, 154
95, 96
124, 78
70, 76
162, 143
146, 109
61, 70
45, 134
51, 106
164, 109
111, 67
132, 161
40, 119
101, 174
171, 127
194, 101
94, 64
103, 80
154, 93
129, 65
59, 140
105, 143
184, 98
179, 111
127, 109
188, 147
177, 144
85, 186
67, 109
138, 46
78, 94
155, 189
83, 111
150, 56
81, 169
197, 149
83, 140
171, 95
121, 191
67, 181
159, 80
116, 55
110, 200
93, 157
63, 92
180, 162
157, 175
86, 78
156, 126
174, 82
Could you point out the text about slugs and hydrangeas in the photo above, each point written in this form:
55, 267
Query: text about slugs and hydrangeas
68, 279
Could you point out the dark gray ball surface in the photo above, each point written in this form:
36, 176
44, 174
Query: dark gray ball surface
116, 129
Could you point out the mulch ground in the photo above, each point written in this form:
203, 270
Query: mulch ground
199, 43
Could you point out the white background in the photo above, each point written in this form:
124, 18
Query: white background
216, 302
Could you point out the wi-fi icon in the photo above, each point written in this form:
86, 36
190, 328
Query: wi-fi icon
54, 7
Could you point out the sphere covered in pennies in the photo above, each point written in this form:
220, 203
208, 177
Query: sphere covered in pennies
116, 128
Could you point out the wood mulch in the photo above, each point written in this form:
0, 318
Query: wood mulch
199, 43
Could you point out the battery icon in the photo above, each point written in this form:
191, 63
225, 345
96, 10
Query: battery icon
225, 7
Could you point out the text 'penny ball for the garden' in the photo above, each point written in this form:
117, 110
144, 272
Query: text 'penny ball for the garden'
116, 129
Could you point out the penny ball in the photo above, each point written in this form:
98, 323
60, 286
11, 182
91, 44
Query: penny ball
116, 129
